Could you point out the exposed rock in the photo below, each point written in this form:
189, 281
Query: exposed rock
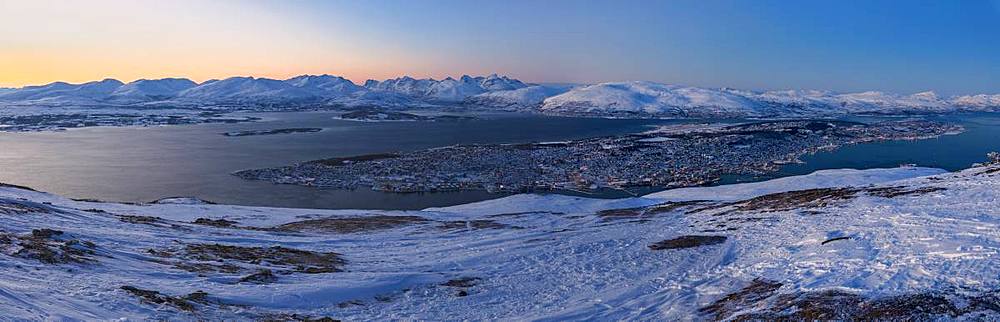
205, 258
221, 223
185, 303
264, 276
688, 242
48, 246
351, 224
462, 282
473, 225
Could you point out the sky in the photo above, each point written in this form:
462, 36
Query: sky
952, 47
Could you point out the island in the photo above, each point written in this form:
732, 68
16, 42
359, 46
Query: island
273, 132
666, 157
375, 115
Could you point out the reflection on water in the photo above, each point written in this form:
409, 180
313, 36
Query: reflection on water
144, 164
951, 152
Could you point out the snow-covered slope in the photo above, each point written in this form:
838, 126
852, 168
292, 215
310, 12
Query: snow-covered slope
622, 99
654, 99
61, 92
246, 89
325, 85
631, 98
151, 89
446, 90
978, 102
525, 97
898, 244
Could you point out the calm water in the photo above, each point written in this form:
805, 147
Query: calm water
950, 152
144, 164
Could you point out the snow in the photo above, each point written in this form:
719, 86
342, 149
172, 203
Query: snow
325, 85
446, 90
250, 90
634, 98
60, 92
530, 96
981, 101
245, 88
562, 262
646, 98
818, 179
649, 98
151, 89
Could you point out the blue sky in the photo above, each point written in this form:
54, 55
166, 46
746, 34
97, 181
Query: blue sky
900, 46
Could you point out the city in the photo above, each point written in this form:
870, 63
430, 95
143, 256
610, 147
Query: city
663, 158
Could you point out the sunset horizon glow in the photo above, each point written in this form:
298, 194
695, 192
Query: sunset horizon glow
844, 46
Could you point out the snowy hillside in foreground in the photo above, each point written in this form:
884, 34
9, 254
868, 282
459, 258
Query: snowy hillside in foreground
905, 243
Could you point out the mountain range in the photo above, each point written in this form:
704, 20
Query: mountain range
635, 98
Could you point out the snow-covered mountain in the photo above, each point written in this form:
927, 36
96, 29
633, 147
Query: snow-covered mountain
648, 98
654, 99
446, 90
621, 99
246, 89
152, 89
86, 93
981, 101
250, 90
325, 85
525, 97
880, 244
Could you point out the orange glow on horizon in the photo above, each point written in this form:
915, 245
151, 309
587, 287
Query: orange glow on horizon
78, 42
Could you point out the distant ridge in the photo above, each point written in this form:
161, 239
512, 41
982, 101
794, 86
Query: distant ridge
616, 99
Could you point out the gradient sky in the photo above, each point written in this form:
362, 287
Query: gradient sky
952, 46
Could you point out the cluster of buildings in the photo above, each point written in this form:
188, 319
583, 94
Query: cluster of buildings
662, 159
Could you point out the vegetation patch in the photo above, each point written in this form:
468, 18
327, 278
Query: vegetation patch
760, 302
351, 224
649, 211
221, 223
463, 284
893, 192
135, 219
203, 258
749, 296
689, 241
16, 207
783, 201
184, 303
48, 246
264, 276
473, 225
297, 318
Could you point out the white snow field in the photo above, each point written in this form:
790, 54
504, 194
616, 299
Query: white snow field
885, 243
